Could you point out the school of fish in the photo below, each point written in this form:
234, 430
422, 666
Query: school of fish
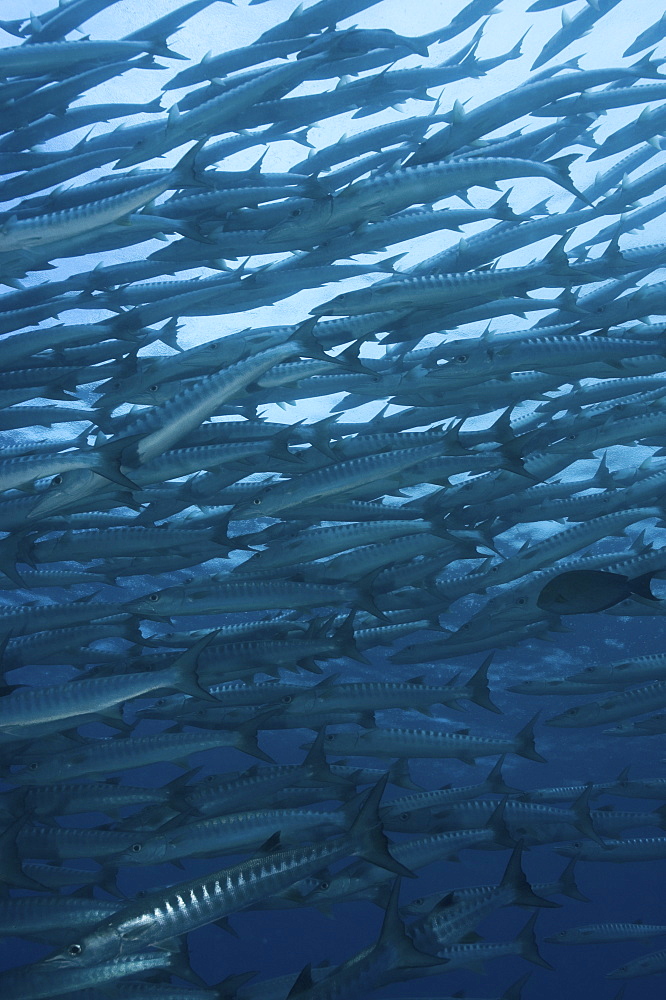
242, 646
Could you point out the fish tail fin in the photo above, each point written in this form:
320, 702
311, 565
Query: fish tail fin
567, 884
648, 67
502, 210
344, 634
399, 775
367, 837
495, 781
661, 812
560, 166
394, 938
11, 871
641, 585
366, 599
515, 878
497, 824
479, 690
515, 991
185, 669
186, 168
528, 946
246, 736
525, 742
581, 809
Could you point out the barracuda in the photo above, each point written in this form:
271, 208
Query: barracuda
28, 233
42, 981
164, 913
235, 833
372, 200
331, 696
55, 55
468, 126
125, 753
597, 933
352, 475
213, 598
162, 427
423, 743
32, 706
621, 705
449, 922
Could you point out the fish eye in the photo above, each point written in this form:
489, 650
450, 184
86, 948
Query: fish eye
153, 597
257, 500
521, 600
75, 950
418, 902
135, 848
160, 702
295, 212
324, 886
404, 816
331, 736
153, 388
56, 481
462, 358
33, 766
287, 698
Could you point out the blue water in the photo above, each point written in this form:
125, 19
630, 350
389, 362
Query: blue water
279, 942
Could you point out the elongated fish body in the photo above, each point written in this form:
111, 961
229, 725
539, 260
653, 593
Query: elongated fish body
617, 851
599, 933
57, 843
50, 978
35, 915
342, 477
27, 233
468, 126
162, 914
329, 697
232, 834
621, 705
110, 755
23, 60
163, 427
374, 200
256, 595
69, 799
424, 743
31, 706
646, 965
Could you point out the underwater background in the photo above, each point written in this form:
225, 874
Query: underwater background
469, 367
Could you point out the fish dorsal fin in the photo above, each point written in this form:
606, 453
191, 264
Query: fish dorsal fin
303, 983
445, 902
270, 845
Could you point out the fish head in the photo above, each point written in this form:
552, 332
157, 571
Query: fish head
158, 605
65, 490
578, 715
101, 944
304, 223
152, 851
41, 772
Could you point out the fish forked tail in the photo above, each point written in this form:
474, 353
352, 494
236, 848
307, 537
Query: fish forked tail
524, 742
367, 837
